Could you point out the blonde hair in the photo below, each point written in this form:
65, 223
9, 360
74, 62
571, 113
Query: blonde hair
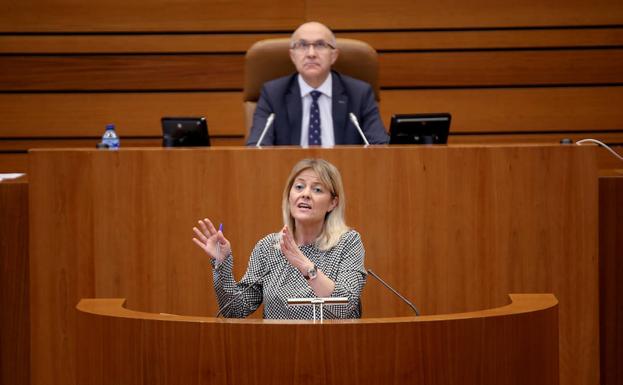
334, 224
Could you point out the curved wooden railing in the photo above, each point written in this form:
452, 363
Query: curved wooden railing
513, 344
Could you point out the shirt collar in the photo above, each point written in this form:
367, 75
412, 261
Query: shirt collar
326, 87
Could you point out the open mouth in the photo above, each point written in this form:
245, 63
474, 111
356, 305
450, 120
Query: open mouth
304, 206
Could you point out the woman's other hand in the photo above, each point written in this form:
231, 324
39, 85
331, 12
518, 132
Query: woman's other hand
293, 254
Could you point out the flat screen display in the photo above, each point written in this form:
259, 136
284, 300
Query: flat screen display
185, 132
419, 128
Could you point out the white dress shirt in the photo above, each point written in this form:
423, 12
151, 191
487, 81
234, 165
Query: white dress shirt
326, 116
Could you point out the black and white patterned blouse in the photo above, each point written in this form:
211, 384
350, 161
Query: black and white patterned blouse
278, 280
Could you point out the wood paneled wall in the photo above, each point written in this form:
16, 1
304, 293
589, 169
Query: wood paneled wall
531, 71
453, 228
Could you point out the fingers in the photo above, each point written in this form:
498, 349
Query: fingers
210, 226
283, 239
207, 227
200, 235
287, 239
199, 243
287, 231
210, 240
291, 251
220, 238
287, 244
222, 241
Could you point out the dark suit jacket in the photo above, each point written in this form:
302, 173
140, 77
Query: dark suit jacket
283, 97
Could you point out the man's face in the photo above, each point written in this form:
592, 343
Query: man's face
312, 53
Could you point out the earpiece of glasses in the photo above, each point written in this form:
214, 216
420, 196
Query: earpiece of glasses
319, 45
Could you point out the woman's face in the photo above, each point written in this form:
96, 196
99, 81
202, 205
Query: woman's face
310, 200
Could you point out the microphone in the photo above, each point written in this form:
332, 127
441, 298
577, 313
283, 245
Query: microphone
269, 122
228, 304
411, 305
353, 119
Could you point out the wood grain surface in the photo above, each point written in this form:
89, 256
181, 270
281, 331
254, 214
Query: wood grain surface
14, 283
493, 346
493, 111
406, 14
152, 15
381, 40
219, 71
255, 15
453, 228
611, 275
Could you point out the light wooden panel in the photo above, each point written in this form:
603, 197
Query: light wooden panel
501, 68
490, 347
14, 156
205, 72
89, 143
14, 284
406, 14
18, 162
121, 72
536, 138
490, 39
452, 228
566, 109
129, 43
252, 15
25, 145
611, 276
16, 159
380, 40
150, 15
516, 110
14, 162
135, 114
608, 161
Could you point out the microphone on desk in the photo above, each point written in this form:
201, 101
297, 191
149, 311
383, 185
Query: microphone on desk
269, 122
353, 119
411, 305
237, 296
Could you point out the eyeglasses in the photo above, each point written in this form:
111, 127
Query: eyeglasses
303, 46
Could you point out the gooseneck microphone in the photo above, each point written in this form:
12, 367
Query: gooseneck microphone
411, 305
237, 296
353, 119
269, 122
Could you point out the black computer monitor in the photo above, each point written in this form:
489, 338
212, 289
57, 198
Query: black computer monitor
419, 128
185, 132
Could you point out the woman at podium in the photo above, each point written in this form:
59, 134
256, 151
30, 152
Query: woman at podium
315, 254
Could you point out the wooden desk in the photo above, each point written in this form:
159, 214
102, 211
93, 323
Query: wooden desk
14, 283
611, 276
513, 344
453, 228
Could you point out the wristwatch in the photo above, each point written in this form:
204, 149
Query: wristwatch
312, 273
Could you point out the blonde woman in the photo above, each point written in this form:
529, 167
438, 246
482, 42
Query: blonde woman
314, 255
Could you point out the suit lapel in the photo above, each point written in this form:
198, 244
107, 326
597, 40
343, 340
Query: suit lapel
295, 112
340, 109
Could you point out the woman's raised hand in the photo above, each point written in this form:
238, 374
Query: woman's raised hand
211, 241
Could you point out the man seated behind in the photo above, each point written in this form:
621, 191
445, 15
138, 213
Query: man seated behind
312, 106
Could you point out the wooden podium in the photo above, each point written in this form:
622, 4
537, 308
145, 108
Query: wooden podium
453, 228
513, 344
